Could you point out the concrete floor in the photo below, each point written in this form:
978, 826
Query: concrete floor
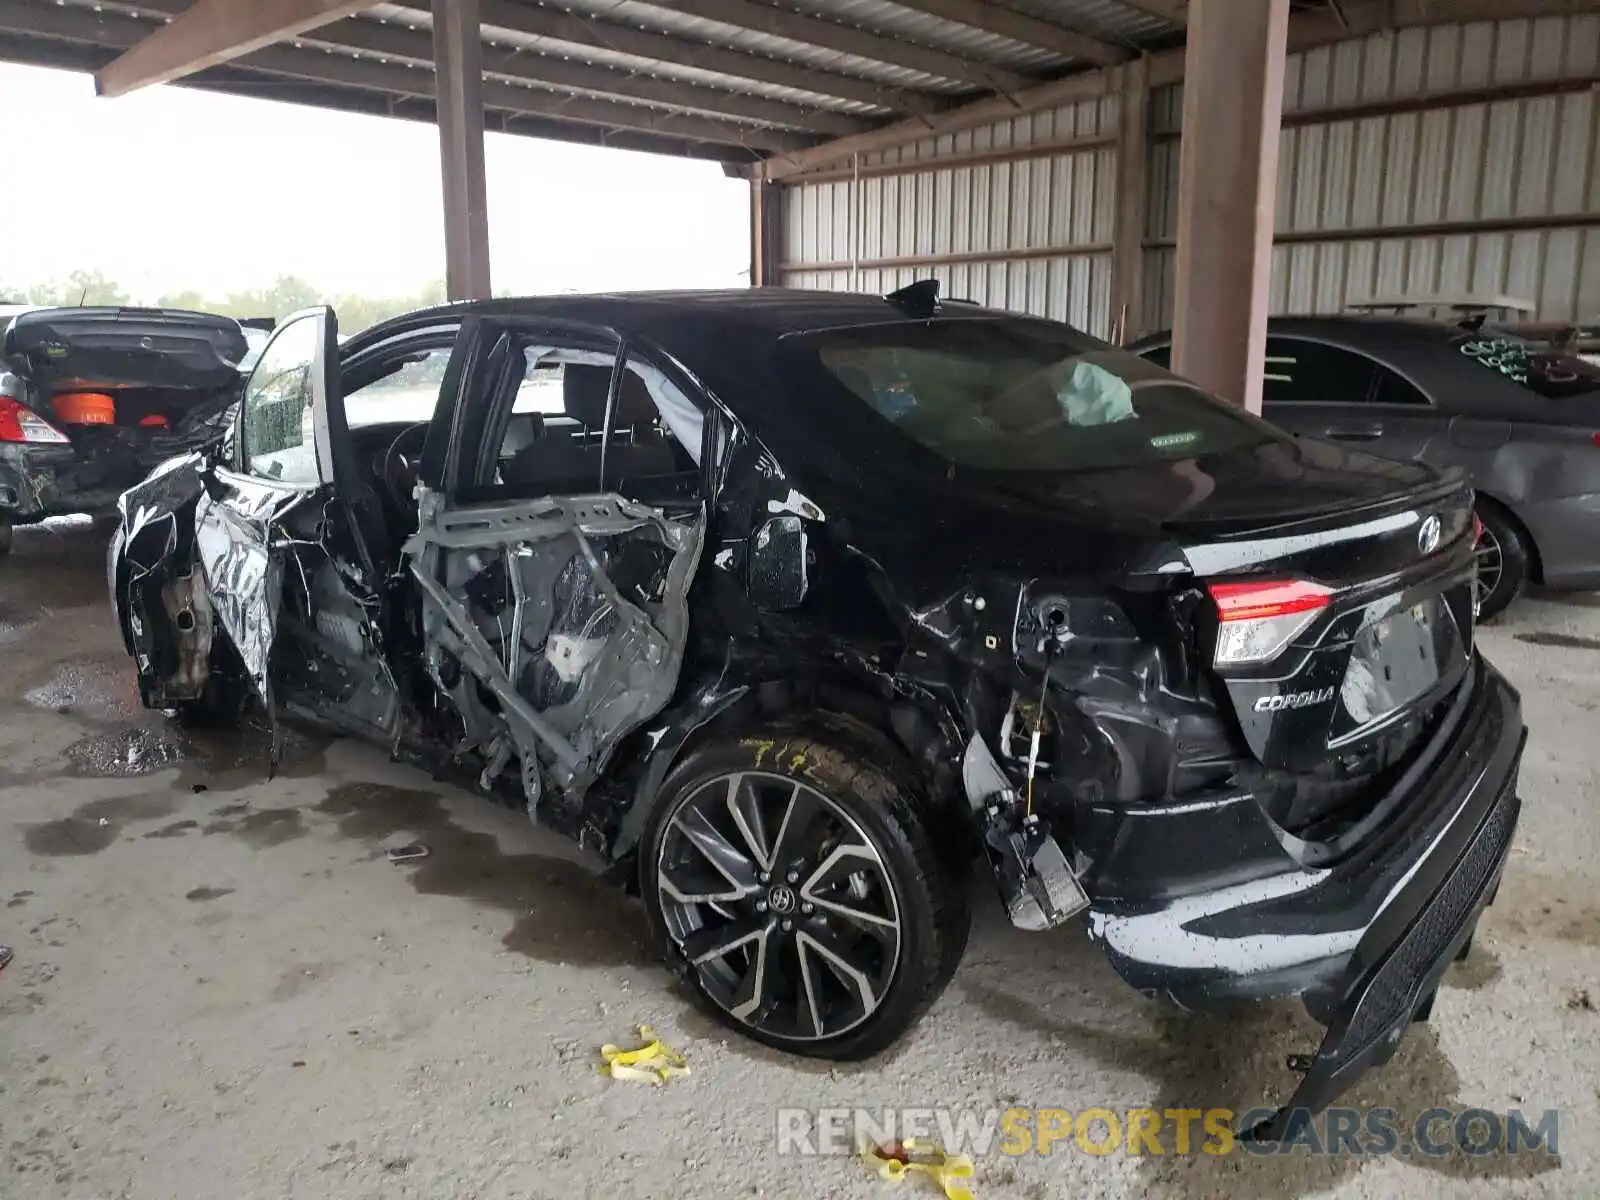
223, 989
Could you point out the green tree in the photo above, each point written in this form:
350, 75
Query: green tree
189, 299
288, 293
81, 287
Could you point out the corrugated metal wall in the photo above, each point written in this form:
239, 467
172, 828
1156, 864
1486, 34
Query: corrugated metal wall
1029, 228
1494, 196
1390, 193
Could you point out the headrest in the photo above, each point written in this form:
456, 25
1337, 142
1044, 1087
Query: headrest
584, 396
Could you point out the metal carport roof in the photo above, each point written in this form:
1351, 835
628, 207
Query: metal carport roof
734, 80
738, 81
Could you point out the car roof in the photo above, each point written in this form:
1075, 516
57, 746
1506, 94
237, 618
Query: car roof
770, 311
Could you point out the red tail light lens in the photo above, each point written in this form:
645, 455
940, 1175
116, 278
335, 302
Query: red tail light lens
19, 423
1259, 619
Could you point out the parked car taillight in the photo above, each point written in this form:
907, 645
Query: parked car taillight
1259, 619
19, 423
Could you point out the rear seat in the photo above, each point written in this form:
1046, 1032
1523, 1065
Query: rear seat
561, 461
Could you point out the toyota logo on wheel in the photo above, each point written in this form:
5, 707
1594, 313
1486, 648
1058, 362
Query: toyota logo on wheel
1428, 536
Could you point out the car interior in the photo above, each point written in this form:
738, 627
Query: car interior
554, 442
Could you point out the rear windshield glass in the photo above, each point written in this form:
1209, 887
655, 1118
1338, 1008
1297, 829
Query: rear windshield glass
1027, 396
1537, 367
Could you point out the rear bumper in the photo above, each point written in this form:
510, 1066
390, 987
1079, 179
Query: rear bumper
1364, 938
43, 480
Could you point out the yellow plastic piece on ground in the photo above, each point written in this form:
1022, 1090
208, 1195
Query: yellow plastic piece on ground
949, 1171
653, 1063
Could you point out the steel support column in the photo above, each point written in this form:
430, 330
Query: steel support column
458, 86
1232, 109
1133, 155
766, 208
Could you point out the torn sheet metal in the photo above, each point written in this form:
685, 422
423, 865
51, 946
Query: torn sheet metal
237, 544
571, 616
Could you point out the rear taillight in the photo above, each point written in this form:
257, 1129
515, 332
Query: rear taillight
21, 424
1257, 620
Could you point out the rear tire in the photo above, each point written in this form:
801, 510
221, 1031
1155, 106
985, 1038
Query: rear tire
1502, 553
794, 885
5, 537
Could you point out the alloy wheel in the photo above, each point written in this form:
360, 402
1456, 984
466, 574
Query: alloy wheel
1491, 563
781, 904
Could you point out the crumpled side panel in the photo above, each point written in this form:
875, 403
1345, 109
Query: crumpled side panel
236, 546
569, 615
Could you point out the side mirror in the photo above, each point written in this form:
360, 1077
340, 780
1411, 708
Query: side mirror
779, 566
213, 486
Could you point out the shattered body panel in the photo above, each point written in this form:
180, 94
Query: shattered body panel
1041, 648
572, 613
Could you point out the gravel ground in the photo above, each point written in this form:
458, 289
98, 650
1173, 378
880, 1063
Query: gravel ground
223, 989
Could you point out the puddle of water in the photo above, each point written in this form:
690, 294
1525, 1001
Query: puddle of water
228, 760
565, 913
209, 760
69, 836
262, 828
94, 826
125, 753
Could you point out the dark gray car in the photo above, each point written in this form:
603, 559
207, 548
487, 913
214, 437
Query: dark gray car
1521, 416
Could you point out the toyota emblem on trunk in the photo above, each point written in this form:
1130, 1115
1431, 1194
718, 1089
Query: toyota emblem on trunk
1428, 536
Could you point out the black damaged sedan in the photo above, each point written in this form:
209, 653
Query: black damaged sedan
790, 607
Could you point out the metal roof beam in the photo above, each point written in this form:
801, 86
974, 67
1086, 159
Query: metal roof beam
847, 39
588, 32
237, 80
113, 30
1086, 85
1176, 11
1355, 18
212, 32
512, 98
1019, 27
393, 41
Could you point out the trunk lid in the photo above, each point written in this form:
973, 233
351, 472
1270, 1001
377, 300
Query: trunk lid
53, 348
128, 387
1335, 635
